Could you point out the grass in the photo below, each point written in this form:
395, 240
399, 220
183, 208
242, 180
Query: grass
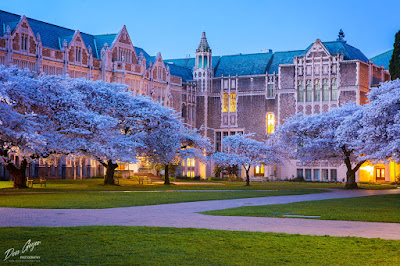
380, 208
97, 185
98, 200
171, 246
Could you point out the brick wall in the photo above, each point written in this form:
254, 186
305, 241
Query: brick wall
364, 76
347, 96
287, 103
32, 45
252, 84
15, 44
348, 74
200, 111
287, 77
252, 111
214, 112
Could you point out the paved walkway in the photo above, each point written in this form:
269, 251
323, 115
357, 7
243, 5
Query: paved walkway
184, 215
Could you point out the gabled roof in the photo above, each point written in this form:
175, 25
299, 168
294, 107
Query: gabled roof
51, 35
349, 52
383, 59
102, 39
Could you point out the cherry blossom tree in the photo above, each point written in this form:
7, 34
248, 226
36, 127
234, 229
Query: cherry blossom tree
381, 120
171, 141
332, 136
27, 109
242, 150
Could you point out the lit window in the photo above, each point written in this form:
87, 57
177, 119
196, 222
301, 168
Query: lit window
300, 92
270, 123
259, 170
225, 102
334, 90
317, 90
233, 102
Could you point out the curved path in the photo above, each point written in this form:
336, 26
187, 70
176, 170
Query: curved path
184, 215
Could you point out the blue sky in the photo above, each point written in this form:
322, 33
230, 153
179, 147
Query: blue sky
174, 27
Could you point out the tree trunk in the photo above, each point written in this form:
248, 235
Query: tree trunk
166, 172
109, 177
247, 176
351, 179
18, 174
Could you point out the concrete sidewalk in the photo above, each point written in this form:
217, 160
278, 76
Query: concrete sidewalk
184, 215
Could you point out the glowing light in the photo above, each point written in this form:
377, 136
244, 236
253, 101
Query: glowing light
368, 168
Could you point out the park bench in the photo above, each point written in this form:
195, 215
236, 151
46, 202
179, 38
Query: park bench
41, 181
257, 179
144, 179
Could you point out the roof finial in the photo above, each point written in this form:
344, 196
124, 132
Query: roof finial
341, 36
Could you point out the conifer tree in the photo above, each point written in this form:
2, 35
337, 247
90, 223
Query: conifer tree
394, 66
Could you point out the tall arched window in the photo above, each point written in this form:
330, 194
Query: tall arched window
270, 123
308, 91
317, 90
232, 107
300, 92
334, 90
325, 90
225, 102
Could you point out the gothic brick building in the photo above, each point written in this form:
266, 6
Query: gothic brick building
53, 50
252, 93
242, 93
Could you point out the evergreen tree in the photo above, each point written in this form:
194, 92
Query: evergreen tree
394, 66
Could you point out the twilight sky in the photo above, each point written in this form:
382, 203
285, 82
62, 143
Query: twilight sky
174, 27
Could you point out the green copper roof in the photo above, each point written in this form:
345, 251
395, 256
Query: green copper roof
383, 59
100, 40
282, 58
242, 64
184, 73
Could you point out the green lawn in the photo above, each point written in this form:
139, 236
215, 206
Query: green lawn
380, 208
172, 246
98, 200
97, 185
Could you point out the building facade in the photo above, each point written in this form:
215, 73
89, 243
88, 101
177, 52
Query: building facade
253, 93
54, 50
223, 95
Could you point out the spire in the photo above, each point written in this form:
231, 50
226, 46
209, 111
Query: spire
203, 46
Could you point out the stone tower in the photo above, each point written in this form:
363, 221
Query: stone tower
203, 72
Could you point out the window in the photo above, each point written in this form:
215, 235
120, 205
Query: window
333, 175
233, 83
78, 54
308, 91
232, 107
183, 110
190, 162
334, 90
225, 102
308, 174
270, 91
316, 175
325, 175
300, 173
270, 123
300, 91
325, 90
24, 42
259, 170
218, 140
317, 90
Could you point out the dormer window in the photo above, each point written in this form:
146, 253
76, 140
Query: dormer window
24, 42
78, 54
